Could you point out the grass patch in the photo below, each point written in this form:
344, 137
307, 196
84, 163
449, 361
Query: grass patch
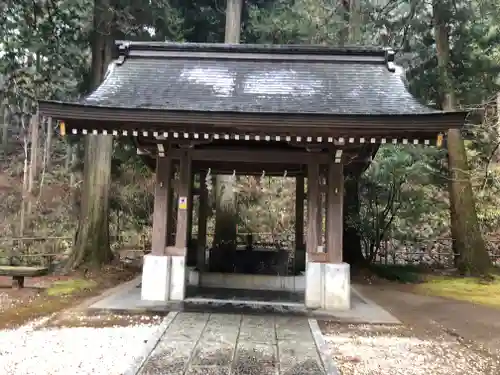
463, 288
69, 287
62, 295
405, 274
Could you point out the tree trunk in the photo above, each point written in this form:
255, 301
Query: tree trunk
92, 245
4, 117
48, 145
350, 32
25, 197
473, 258
351, 248
225, 213
233, 21
33, 166
73, 160
226, 216
355, 22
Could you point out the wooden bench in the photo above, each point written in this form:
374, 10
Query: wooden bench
18, 273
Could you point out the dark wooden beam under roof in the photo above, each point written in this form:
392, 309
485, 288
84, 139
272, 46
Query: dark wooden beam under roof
303, 124
273, 161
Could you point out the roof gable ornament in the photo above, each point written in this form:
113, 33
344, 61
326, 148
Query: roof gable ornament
109, 70
389, 60
123, 51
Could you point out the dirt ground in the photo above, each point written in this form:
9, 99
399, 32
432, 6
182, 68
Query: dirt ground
19, 306
476, 326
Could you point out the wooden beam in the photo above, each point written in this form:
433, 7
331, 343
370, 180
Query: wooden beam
305, 124
334, 212
182, 205
312, 206
299, 211
249, 169
202, 224
256, 156
161, 207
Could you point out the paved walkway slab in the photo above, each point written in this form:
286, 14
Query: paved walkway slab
232, 344
128, 300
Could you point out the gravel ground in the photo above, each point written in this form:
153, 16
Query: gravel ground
5, 301
10, 299
80, 346
397, 350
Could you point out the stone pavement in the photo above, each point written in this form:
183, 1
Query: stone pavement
232, 344
126, 299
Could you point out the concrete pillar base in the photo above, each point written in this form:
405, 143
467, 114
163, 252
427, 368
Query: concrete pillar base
163, 278
178, 278
328, 286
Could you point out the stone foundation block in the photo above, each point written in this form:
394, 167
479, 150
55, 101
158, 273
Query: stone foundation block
163, 278
155, 284
178, 278
328, 286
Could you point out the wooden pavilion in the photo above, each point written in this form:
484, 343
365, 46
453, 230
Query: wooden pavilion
313, 111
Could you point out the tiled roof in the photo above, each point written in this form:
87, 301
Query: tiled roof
256, 79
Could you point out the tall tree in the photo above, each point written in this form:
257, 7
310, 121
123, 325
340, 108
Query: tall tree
92, 246
473, 258
352, 252
226, 215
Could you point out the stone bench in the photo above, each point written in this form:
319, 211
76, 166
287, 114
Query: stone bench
18, 273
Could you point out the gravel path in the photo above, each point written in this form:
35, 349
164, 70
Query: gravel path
397, 350
5, 301
89, 345
13, 298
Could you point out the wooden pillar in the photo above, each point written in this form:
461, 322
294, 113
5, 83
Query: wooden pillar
312, 207
334, 212
202, 224
321, 207
170, 213
161, 207
190, 207
175, 201
299, 212
183, 204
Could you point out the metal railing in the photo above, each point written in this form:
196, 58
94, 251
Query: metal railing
436, 253
44, 250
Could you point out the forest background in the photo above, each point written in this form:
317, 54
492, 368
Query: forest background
399, 207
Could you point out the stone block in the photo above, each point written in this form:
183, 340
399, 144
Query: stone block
193, 277
178, 278
314, 287
155, 278
337, 286
328, 286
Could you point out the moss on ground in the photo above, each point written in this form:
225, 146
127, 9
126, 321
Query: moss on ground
69, 287
467, 289
62, 295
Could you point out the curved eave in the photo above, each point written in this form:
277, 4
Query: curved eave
159, 119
